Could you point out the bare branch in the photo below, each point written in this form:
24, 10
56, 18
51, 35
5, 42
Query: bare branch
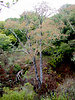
20, 41
71, 25
19, 50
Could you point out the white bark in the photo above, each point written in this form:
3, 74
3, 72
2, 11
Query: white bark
20, 42
36, 73
41, 76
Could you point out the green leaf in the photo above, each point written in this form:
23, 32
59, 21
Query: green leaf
8, 4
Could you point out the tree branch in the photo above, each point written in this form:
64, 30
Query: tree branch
71, 25
20, 41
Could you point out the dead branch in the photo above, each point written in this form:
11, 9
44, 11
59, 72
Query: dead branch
18, 76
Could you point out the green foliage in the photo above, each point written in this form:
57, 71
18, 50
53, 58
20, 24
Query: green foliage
56, 18
72, 44
60, 53
7, 32
2, 23
5, 41
67, 88
65, 48
28, 61
13, 95
7, 4
30, 17
17, 67
69, 19
14, 19
20, 35
47, 51
3, 59
71, 91
12, 38
55, 60
55, 97
25, 93
63, 97
66, 14
73, 59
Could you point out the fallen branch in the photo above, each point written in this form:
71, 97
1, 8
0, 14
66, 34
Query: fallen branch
19, 74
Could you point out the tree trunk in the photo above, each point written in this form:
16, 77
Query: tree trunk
41, 76
36, 73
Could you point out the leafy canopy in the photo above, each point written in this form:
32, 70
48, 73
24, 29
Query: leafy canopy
4, 41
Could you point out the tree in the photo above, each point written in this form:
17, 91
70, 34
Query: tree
15, 26
68, 16
64, 50
43, 38
40, 37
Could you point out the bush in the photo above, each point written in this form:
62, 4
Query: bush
5, 41
55, 60
68, 87
17, 68
55, 97
65, 48
21, 93
13, 95
63, 53
28, 61
47, 51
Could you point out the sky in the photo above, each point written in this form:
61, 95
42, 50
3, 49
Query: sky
27, 5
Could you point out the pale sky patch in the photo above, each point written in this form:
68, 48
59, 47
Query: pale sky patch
27, 5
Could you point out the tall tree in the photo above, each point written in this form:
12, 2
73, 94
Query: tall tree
40, 37
43, 11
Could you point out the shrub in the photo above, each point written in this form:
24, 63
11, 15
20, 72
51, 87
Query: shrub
47, 51
65, 48
13, 95
68, 87
55, 97
28, 61
63, 53
17, 67
21, 93
55, 60
5, 41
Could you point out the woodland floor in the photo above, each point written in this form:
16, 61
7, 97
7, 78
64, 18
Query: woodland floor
65, 79
55, 81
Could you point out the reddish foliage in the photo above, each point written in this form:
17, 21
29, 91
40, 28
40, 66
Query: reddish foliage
49, 83
6, 78
64, 69
50, 80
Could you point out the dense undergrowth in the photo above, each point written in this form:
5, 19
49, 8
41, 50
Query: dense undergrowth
52, 86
